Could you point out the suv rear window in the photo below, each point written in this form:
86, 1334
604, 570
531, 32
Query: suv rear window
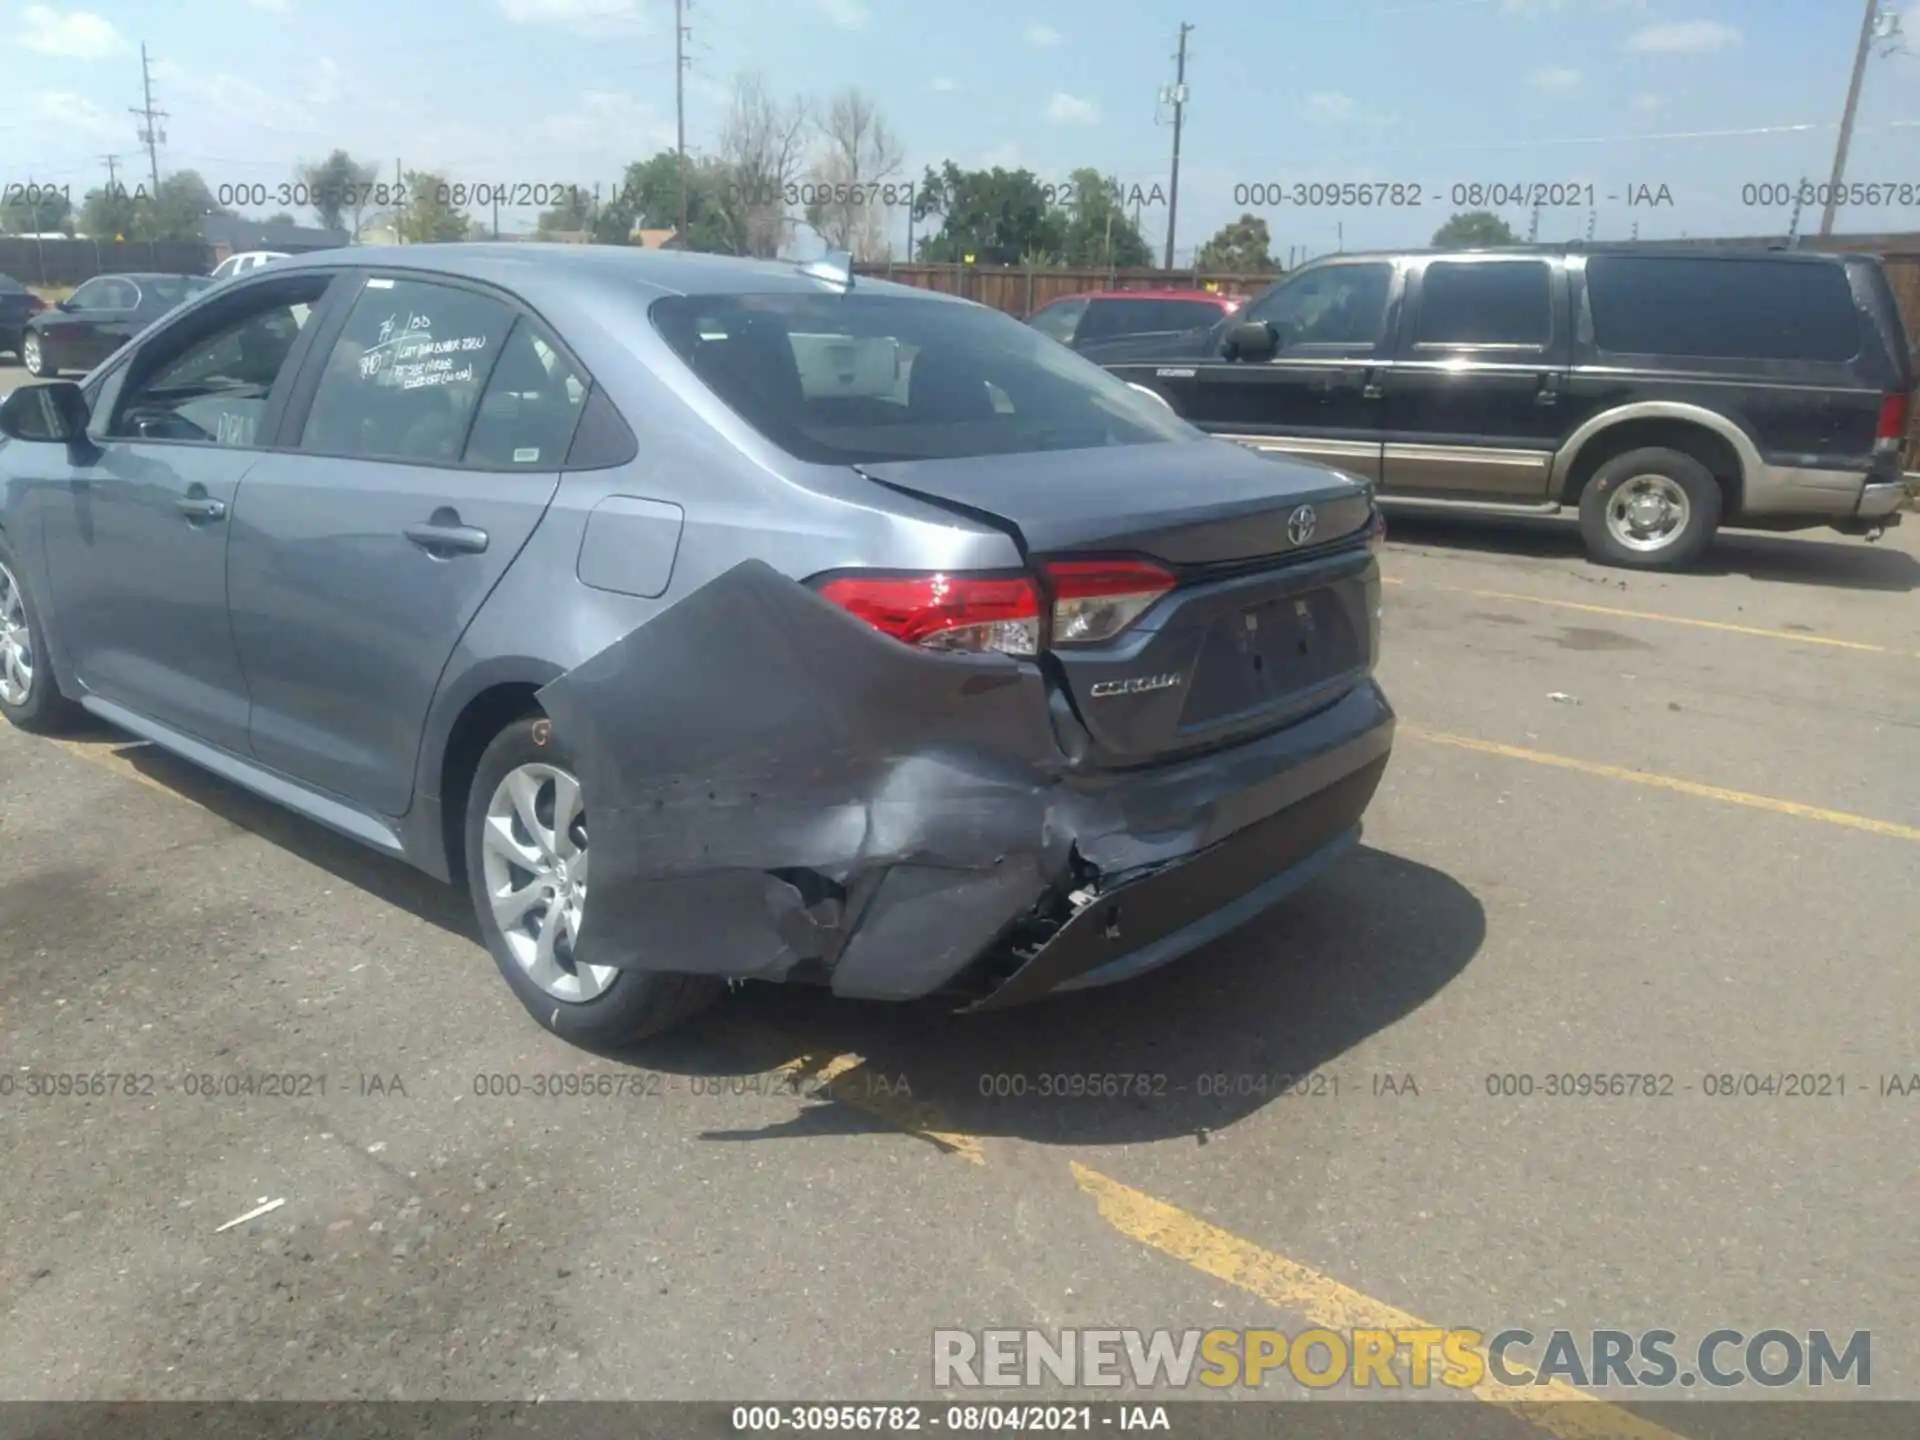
1724, 308
860, 379
1486, 302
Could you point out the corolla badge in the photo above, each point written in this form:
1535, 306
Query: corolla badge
1138, 685
1300, 525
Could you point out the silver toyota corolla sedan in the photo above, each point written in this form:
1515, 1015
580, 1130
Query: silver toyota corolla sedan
878, 641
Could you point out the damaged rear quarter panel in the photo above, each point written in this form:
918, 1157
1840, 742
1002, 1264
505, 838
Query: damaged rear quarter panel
754, 728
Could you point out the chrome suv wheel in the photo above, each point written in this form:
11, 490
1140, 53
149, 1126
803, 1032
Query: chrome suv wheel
16, 642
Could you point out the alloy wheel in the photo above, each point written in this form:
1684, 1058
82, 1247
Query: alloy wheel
30, 352
16, 642
533, 850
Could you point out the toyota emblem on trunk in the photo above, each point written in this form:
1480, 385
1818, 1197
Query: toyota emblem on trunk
1300, 525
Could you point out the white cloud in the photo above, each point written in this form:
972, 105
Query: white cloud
847, 14
76, 114
603, 115
1684, 37
1065, 109
1330, 107
1645, 107
588, 17
941, 85
324, 88
77, 33
1555, 79
278, 7
1043, 35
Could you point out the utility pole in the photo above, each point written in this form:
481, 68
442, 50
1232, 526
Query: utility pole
151, 135
680, 33
1846, 119
113, 174
400, 204
1177, 94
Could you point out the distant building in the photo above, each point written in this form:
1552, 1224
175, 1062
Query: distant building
235, 234
658, 239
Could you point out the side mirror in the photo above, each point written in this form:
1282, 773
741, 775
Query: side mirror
66, 305
51, 414
1255, 340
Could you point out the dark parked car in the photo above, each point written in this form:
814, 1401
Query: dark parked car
17, 306
1657, 393
98, 318
1084, 321
877, 640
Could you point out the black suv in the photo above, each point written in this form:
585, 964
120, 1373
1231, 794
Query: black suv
1660, 393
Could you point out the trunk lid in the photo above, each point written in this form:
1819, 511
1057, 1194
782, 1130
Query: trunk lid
1265, 625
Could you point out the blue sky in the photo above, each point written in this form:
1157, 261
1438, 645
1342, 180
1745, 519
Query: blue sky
1701, 96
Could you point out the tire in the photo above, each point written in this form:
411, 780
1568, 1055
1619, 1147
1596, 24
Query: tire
37, 706
1674, 525
602, 1009
34, 357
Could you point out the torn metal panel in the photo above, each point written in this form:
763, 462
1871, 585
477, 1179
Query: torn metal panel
754, 728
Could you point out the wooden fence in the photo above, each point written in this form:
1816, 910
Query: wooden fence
1020, 290
59, 263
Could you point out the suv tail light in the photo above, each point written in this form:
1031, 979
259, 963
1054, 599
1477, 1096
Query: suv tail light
1094, 600
1891, 433
946, 612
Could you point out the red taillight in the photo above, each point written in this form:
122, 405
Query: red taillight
1094, 600
1893, 420
946, 612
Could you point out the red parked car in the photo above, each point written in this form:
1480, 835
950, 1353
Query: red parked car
1110, 314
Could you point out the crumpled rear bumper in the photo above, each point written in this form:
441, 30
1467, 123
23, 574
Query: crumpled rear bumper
777, 791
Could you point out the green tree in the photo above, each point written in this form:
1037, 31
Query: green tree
35, 210
430, 216
1098, 231
336, 188
1239, 247
175, 210
573, 213
998, 216
649, 199
283, 217
1472, 229
112, 214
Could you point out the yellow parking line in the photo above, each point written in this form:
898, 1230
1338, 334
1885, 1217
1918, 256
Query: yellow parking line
844, 1079
1622, 614
1557, 1408
1668, 782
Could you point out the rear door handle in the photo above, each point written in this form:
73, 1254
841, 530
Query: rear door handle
454, 539
200, 507
1548, 393
1371, 388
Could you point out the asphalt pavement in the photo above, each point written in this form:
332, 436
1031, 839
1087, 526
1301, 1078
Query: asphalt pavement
1655, 826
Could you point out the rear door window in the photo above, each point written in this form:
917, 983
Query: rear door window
1139, 317
1749, 309
530, 407
404, 380
1486, 302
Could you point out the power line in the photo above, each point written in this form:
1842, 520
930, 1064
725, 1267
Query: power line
151, 135
1177, 95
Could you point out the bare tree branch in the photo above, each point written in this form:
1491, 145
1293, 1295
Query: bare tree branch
858, 152
761, 145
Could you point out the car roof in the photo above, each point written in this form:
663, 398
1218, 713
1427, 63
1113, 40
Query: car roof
520, 265
1655, 251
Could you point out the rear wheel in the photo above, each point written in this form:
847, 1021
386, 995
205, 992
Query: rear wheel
29, 696
1650, 509
34, 356
527, 868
